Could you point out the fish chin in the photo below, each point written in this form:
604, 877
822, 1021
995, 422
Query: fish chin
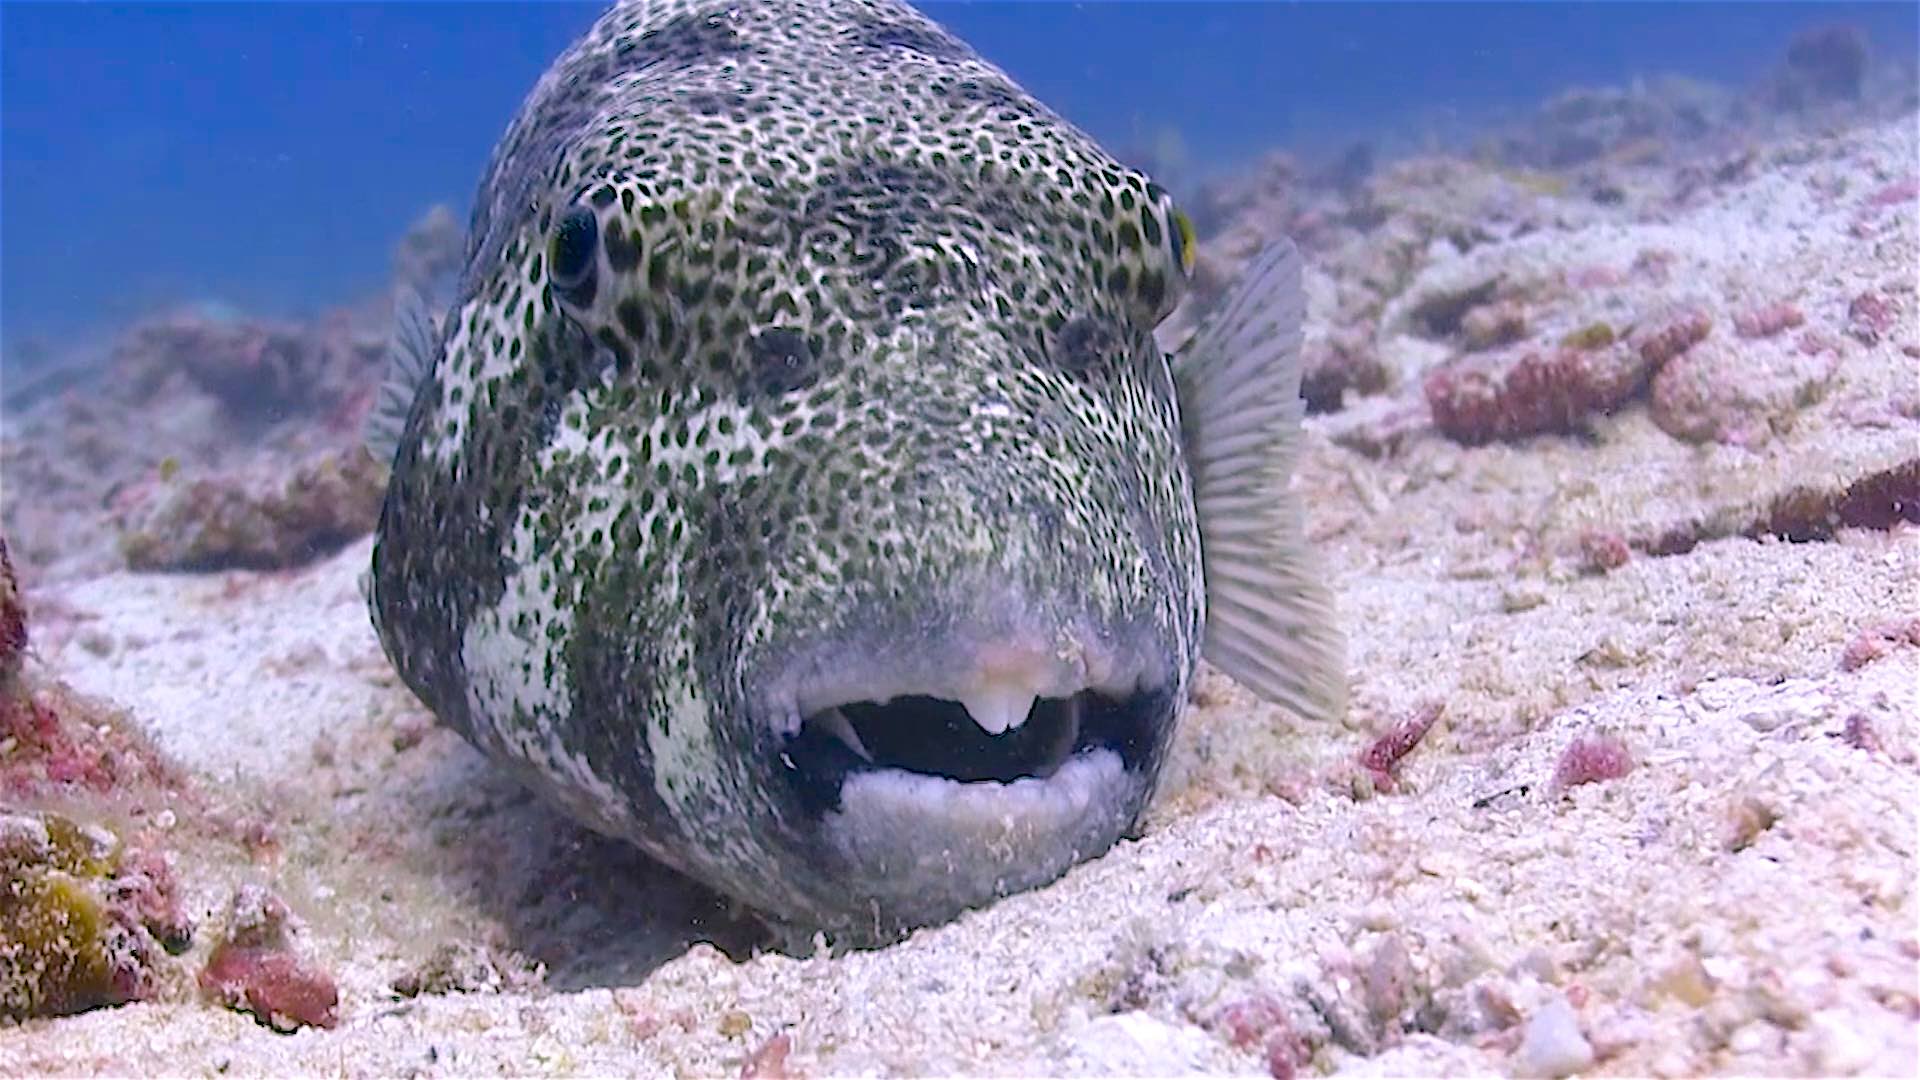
923, 848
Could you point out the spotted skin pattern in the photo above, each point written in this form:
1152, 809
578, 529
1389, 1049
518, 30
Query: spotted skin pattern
788, 332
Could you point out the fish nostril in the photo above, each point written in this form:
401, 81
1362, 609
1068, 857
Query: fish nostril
783, 361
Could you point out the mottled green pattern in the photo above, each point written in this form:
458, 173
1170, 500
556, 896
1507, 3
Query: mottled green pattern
789, 331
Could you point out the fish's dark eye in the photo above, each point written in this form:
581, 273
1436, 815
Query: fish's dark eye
576, 244
782, 360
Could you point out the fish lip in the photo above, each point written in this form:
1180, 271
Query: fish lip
881, 666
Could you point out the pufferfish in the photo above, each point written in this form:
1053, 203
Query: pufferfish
795, 486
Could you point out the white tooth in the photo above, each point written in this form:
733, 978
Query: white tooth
837, 725
998, 706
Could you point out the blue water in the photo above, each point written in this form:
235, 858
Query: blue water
269, 155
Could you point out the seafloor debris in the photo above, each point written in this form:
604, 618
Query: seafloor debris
769, 1060
468, 968
1336, 365
250, 519
256, 969
1553, 1045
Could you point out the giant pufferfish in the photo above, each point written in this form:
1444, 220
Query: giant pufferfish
796, 488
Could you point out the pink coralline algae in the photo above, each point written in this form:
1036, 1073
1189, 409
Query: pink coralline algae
1261, 1021
1666, 337
1895, 193
1604, 551
256, 969
1533, 390
1536, 389
1869, 316
1590, 759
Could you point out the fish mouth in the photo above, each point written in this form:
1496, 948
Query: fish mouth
987, 739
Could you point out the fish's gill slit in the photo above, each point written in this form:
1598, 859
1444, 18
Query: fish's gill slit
937, 737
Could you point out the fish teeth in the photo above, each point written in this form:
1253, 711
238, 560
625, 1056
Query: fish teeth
835, 723
997, 707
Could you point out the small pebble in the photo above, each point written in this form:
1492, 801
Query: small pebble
1839, 1049
1553, 1046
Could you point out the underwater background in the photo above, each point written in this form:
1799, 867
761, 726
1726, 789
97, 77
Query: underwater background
1611, 366
267, 155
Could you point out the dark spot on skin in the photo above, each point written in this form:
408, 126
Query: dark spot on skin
782, 361
919, 39
690, 38
1082, 344
623, 250
994, 93
715, 102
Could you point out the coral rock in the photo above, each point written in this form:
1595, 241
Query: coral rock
1869, 316
1337, 365
252, 520
257, 970
1738, 395
13, 618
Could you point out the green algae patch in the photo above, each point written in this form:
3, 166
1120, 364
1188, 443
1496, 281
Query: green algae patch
1597, 335
59, 950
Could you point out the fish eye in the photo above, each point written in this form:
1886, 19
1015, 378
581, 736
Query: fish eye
576, 242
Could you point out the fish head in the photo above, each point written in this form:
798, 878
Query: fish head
917, 458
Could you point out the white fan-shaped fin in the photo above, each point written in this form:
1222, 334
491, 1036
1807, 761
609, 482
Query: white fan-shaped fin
1270, 615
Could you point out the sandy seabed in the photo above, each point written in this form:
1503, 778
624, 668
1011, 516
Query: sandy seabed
1743, 900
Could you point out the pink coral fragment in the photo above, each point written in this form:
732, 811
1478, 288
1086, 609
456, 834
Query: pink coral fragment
1897, 192
1768, 319
1869, 316
1590, 759
1383, 755
1604, 551
1670, 335
273, 984
1877, 640
257, 970
769, 1061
